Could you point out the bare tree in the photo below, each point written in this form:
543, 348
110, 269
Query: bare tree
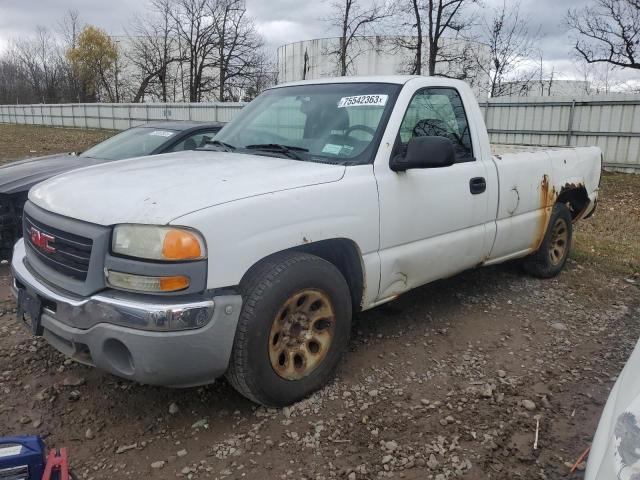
416, 46
437, 35
599, 78
153, 50
196, 33
116, 76
69, 27
35, 69
239, 47
264, 76
39, 58
545, 77
408, 20
14, 84
511, 44
355, 23
607, 32
445, 18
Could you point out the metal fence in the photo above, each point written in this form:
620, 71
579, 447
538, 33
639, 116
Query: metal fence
115, 116
611, 122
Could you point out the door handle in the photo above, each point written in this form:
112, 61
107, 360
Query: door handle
477, 185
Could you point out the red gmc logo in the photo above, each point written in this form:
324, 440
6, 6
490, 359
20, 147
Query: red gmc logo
41, 240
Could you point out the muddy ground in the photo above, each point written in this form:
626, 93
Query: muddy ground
447, 382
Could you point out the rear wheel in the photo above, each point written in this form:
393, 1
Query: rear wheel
552, 255
293, 329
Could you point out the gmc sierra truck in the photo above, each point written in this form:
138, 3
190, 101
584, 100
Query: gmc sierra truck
248, 257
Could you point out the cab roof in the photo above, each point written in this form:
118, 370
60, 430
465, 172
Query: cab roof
396, 79
390, 79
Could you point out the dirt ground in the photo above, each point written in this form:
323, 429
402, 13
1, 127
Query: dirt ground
447, 382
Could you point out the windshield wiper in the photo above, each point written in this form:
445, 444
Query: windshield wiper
226, 146
287, 150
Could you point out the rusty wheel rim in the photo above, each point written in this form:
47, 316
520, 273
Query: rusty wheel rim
301, 334
559, 239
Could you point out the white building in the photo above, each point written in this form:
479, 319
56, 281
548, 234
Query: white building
312, 59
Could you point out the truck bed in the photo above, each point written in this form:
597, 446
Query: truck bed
504, 148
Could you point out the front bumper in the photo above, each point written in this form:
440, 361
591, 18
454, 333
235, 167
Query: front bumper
111, 331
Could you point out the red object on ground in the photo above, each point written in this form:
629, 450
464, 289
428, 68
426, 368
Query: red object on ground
580, 459
57, 461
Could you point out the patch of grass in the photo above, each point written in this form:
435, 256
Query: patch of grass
611, 238
22, 141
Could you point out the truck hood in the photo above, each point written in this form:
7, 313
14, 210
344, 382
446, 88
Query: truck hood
21, 176
161, 188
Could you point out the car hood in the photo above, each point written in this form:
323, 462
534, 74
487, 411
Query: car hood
21, 176
615, 451
158, 189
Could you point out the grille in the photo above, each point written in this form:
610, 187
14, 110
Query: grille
70, 253
15, 473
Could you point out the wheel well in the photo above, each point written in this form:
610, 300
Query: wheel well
344, 254
576, 198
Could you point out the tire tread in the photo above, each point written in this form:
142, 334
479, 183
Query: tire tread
253, 288
538, 264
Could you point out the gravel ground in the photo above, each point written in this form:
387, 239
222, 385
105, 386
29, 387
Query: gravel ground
449, 381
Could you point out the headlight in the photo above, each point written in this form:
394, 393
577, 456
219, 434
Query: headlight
143, 283
158, 243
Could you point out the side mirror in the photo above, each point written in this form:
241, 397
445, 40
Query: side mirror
425, 152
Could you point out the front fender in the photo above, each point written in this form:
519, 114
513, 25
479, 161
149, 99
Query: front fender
241, 233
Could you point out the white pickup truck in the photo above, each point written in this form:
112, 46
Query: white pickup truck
249, 257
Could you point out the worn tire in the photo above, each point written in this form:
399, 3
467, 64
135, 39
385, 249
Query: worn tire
545, 262
265, 291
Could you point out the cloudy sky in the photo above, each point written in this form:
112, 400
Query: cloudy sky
280, 21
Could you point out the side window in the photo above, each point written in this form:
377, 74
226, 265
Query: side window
438, 112
193, 141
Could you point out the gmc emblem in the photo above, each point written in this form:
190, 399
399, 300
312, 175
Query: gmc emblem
41, 240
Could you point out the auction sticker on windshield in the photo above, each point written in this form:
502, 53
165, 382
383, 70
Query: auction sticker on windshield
161, 133
363, 101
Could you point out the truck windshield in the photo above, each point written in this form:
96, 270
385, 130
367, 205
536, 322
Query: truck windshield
135, 142
336, 123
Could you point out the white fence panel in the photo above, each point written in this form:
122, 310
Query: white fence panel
612, 122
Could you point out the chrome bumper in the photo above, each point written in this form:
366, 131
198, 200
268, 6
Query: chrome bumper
142, 338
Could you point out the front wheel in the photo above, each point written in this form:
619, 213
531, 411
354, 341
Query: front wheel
552, 255
293, 328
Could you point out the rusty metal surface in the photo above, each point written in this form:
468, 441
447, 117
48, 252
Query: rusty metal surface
301, 334
548, 196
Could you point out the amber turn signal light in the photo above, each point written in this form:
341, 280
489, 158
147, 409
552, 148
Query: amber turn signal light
181, 245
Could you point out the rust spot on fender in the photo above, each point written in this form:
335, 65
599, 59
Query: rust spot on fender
548, 196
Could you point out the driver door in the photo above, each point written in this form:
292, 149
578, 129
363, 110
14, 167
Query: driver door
433, 224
